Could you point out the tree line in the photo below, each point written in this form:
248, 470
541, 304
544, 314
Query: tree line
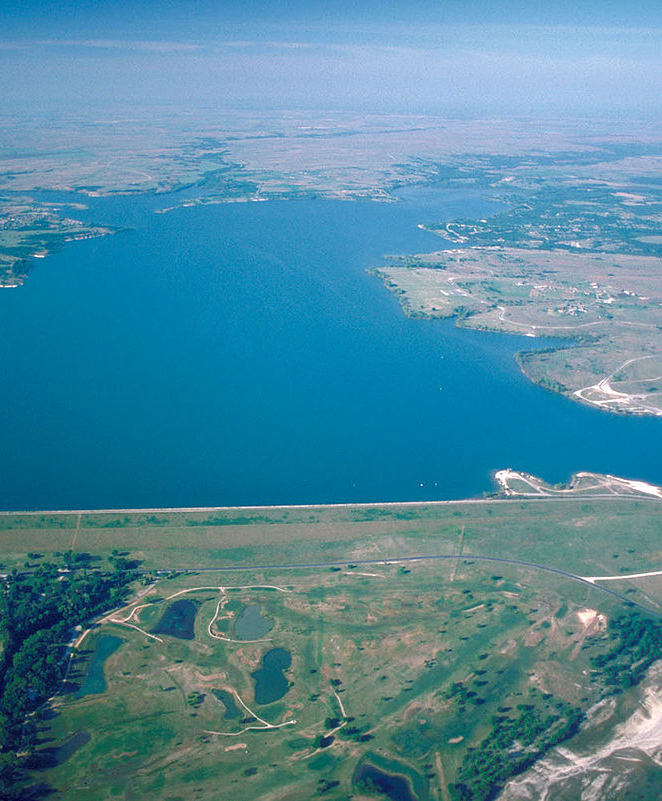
39, 610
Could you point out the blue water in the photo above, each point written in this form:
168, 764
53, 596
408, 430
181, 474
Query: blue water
379, 782
240, 354
231, 708
95, 679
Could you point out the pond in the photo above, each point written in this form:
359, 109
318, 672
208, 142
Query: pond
178, 620
226, 698
95, 679
373, 780
270, 680
251, 624
52, 757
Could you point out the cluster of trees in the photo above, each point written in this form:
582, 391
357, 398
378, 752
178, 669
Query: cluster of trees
458, 691
518, 740
638, 643
512, 746
324, 785
195, 699
357, 733
38, 612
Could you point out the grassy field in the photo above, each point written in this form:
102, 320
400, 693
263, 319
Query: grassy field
396, 667
606, 305
598, 535
409, 664
575, 254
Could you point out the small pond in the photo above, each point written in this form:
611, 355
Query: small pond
60, 754
378, 781
251, 624
226, 698
178, 620
270, 680
95, 679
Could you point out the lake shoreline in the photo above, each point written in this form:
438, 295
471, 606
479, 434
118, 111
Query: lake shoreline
349, 505
272, 376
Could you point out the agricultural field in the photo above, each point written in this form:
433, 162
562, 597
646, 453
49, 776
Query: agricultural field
461, 650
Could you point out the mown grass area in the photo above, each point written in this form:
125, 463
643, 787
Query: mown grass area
591, 536
421, 658
407, 664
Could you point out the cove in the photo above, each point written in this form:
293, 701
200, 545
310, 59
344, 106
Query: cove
240, 354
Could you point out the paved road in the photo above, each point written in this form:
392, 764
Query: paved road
425, 558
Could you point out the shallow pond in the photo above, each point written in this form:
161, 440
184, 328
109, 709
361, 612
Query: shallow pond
52, 757
251, 624
226, 698
270, 680
178, 620
95, 679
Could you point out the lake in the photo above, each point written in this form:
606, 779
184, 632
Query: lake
378, 782
240, 354
229, 703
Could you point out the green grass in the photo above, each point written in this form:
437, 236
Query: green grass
423, 654
576, 534
393, 645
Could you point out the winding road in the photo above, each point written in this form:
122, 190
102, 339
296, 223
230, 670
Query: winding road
589, 581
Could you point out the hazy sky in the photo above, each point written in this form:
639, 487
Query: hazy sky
443, 57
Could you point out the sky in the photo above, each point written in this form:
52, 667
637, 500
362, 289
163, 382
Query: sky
420, 56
